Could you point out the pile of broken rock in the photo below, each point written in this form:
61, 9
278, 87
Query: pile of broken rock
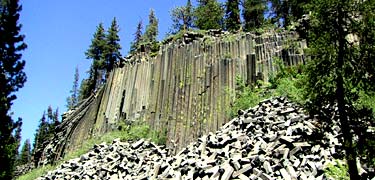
274, 140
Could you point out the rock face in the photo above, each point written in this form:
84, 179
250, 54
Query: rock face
274, 140
183, 91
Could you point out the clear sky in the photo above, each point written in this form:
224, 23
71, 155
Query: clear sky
58, 33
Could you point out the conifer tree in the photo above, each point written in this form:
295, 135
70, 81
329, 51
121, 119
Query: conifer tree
151, 32
182, 17
87, 85
72, 100
25, 156
49, 113
112, 47
137, 37
40, 136
96, 53
342, 69
286, 12
253, 14
209, 15
12, 77
232, 15
56, 120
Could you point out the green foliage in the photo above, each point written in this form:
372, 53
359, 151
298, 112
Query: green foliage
97, 47
112, 46
253, 13
12, 78
87, 85
232, 15
342, 67
246, 96
125, 133
149, 37
337, 170
366, 100
25, 156
286, 12
137, 37
72, 100
287, 82
152, 31
141, 130
35, 173
96, 53
209, 15
182, 17
45, 130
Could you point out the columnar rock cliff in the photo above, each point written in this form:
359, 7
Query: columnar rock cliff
183, 91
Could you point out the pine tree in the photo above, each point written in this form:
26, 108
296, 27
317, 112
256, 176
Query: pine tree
87, 86
137, 37
49, 114
151, 32
12, 78
40, 136
47, 125
72, 100
96, 53
232, 15
209, 15
286, 12
112, 47
56, 120
253, 14
25, 156
182, 17
342, 68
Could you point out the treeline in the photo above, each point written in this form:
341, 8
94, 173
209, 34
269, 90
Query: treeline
233, 15
46, 128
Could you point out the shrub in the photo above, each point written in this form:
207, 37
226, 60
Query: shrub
337, 170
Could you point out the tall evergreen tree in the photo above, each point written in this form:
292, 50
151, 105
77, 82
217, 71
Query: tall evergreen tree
87, 85
12, 78
72, 100
150, 36
45, 130
56, 120
286, 12
253, 13
152, 28
342, 69
113, 47
137, 37
209, 15
182, 17
96, 53
25, 156
49, 113
40, 136
232, 15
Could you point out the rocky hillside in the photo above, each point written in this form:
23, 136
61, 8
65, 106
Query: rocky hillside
274, 140
182, 93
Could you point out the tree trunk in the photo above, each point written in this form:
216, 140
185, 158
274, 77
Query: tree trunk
340, 92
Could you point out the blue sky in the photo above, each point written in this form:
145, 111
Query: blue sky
58, 33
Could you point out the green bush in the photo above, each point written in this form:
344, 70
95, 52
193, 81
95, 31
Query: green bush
366, 100
246, 96
337, 170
